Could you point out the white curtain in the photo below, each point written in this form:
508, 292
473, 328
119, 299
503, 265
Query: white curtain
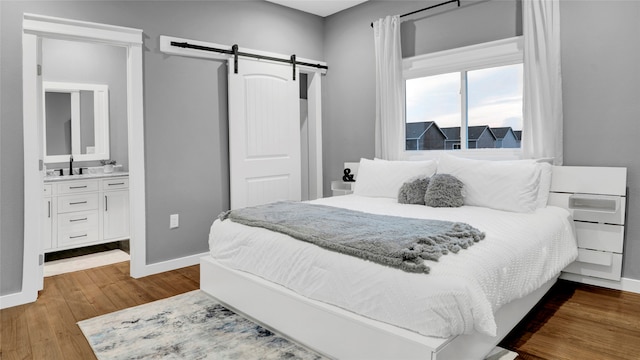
389, 126
542, 122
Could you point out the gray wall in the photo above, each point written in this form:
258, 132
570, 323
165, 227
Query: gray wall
601, 81
185, 103
77, 62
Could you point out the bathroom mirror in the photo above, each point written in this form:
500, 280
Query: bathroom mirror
76, 121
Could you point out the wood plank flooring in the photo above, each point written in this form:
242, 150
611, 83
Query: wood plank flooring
47, 328
573, 321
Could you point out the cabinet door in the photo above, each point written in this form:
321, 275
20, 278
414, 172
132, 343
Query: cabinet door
116, 215
47, 232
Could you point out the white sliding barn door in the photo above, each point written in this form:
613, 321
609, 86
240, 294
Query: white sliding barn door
264, 133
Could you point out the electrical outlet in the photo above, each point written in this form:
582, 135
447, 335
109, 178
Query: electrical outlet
174, 221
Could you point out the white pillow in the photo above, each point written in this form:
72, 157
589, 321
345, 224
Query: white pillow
545, 178
502, 185
383, 178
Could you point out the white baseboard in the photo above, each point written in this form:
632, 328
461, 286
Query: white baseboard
169, 265
625, 284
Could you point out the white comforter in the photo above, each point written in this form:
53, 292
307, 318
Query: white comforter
520, 253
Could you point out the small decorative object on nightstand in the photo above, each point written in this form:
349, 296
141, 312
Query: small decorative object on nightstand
348, 176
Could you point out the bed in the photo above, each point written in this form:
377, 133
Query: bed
349, 308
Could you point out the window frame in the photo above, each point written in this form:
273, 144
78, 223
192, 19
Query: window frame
480, 56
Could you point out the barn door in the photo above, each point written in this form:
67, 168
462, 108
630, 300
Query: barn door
264, 133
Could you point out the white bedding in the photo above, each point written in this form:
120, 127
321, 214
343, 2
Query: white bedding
462, 292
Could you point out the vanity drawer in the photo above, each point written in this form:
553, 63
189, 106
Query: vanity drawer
78, 227
73, 187
47, 190
80, 202
114, 184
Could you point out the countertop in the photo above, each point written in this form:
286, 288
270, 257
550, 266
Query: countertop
97, 175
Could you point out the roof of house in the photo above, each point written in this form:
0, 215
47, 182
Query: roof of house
518, 134
417, 129
501, 132
473, 132
452, 133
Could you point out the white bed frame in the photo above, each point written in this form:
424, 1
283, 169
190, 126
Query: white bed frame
341, 334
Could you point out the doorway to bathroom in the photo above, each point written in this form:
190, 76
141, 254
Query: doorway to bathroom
39, 30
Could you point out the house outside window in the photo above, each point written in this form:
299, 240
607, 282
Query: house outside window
465, 99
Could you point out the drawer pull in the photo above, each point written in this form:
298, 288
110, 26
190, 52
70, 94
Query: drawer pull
78, 203
74, 220
78, 187
49, 208
77, 236
120, 183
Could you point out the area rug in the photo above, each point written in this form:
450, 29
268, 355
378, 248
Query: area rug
193, 326
188, 326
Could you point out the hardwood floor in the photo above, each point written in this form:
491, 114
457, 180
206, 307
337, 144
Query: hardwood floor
573, 321
576, 321
47, 328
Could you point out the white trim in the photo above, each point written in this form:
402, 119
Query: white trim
172, 264
49, 26
483, 154
34, 28
314, 97
165, 47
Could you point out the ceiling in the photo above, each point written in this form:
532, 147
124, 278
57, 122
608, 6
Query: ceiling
319, 7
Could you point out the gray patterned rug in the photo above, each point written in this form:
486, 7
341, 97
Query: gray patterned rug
187, 326
193, 326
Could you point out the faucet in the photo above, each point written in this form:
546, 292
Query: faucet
71, 165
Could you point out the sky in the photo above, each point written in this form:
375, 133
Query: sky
494, 98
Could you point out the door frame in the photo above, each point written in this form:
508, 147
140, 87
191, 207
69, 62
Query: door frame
34, 28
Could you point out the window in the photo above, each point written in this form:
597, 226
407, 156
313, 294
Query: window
467, 98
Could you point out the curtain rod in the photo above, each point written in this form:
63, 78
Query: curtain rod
428, 8
234, 51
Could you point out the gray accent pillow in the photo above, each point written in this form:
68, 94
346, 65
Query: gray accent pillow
412, 192
444, 190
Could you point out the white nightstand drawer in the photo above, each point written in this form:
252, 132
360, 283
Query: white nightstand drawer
81, 202
597, 264
47, 190
73, 187
78, 227
603, 237
114, 184
342, 187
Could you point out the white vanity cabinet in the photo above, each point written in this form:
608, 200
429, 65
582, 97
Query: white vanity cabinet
116, 209
86, 212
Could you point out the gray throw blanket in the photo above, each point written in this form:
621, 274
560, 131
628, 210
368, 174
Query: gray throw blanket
394, 241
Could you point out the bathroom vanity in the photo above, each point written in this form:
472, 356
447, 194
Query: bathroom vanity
83, 210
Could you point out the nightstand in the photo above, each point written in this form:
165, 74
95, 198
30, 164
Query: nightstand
339, 187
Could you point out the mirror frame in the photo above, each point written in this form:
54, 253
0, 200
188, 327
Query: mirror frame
100, 118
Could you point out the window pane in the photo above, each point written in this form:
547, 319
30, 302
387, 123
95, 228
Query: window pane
494, 98
432, 105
